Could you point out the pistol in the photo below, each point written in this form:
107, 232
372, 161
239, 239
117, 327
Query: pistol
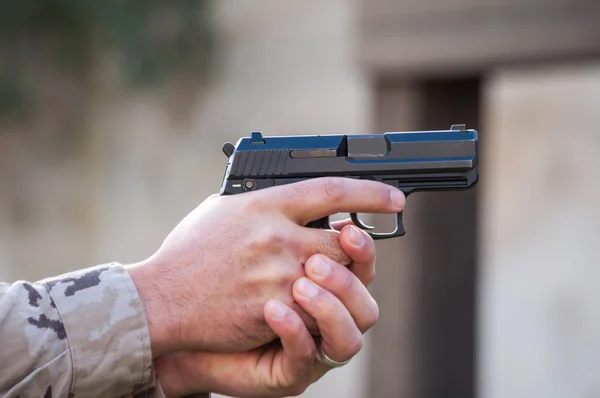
411, 161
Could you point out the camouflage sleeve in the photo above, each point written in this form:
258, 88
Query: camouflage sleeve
82, 334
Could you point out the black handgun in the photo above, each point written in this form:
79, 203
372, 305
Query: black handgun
411, 161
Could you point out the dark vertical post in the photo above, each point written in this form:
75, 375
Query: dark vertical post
424, 344
448, 258
393, 356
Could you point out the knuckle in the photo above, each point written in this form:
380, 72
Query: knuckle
370, 317
306, 356
370, 278
278, 237
252, 204
341, 257
297, 384
259, 241
381, 194
328, 308
329, 244
348, 281
334, 188
356, 346
367, 274
269, 237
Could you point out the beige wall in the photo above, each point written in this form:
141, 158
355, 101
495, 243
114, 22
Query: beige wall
540, 306
283, 67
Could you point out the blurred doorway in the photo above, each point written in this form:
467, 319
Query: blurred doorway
428, 281
429, 62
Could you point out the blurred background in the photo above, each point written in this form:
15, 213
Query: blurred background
112, 117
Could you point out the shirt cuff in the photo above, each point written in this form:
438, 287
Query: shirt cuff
156, 392
106, 330
153, 389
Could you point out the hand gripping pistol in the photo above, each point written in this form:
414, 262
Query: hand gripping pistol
411, 161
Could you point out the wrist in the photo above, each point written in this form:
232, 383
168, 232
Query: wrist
182, 374
161, 319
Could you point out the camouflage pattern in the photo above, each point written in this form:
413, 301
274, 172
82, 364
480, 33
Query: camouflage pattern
81, 334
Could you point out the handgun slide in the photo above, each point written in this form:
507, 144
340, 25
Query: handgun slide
411, 161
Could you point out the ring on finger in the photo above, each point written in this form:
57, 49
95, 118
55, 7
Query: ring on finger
330, 362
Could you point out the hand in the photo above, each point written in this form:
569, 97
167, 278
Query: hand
343, 310
206, 286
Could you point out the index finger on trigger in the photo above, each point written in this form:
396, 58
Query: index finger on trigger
313, 199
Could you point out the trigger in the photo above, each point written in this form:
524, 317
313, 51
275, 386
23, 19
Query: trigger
400, 230
359, 223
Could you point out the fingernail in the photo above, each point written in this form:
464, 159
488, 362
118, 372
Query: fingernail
397, 198
277, 310
320, 267
307, 288
356, 237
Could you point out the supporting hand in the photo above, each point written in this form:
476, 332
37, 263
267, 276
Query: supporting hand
330, 293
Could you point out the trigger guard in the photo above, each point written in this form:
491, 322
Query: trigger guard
400, 230
359, 223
